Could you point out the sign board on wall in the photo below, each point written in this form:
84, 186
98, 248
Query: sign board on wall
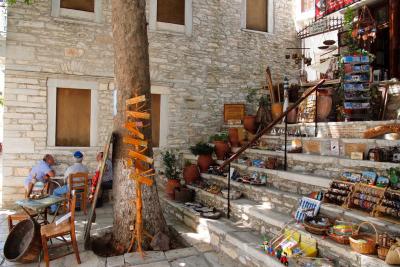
326, 7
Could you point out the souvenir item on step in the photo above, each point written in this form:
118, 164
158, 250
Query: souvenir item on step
263, 178
396, 155
341, 231
385, 241
356, 155
318, 195
284, 260
338, 192
364, 243
213, 189
258, 163
211, 215
376, 154
368, 177
233, 194
272, 163
394, 177
381, 130
215, 170
307, 207
382, 181
317, 225
295, 244
365, 197
351, 177
393, 255
235, 175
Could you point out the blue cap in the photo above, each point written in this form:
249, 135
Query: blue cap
78, 154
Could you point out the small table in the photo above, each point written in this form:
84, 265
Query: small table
40, 206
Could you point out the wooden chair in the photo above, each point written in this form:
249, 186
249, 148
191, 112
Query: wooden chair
79, 183
17, 217
67, 227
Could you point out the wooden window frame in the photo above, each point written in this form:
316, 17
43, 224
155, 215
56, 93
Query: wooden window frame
78, 15
270, 18
155, 25
52, 85
92, 11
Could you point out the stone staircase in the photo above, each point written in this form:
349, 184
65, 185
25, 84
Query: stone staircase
265, 210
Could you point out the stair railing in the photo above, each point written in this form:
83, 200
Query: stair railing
228, 162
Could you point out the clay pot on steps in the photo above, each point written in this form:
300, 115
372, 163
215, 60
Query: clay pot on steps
191, 173
276, 110
324, 104
204, 161
233, 137
221, 149
292, 115
183, 194
170, 187
250, 123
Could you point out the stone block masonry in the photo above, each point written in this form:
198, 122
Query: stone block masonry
199, 71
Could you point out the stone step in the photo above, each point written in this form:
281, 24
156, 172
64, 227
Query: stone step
288, 181
353, 129
242, 239
327, 166
287, 203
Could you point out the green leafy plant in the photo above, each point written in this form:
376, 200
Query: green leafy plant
223, 136
256, 99
202, 148
394, 175
170, 162
11, 2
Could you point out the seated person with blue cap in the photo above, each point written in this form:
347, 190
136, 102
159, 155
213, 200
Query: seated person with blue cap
39, 173
75, 168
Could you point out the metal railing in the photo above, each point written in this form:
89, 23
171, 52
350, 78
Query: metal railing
306, 94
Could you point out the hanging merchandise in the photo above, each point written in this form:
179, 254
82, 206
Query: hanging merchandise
364, 30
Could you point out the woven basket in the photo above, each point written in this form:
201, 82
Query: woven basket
382, 252
341, 239
315, 229
368, 247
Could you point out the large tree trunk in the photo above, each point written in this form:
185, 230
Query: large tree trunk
132, 79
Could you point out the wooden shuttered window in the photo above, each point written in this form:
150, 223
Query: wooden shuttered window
171, 11
257, 15
73, 117
82, 5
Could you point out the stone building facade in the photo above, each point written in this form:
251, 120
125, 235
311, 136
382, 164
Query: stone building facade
195, 68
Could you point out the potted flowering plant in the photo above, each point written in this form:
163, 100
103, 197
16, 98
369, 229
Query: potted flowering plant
204, 152
221, 146
171, 171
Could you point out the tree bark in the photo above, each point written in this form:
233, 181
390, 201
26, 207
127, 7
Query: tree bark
132, 79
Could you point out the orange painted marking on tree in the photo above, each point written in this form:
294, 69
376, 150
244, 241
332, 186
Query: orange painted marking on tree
135, 100
135, 142
131, 127
141, 179
138, 115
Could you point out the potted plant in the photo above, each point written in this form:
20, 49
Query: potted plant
170, 162
204, 152
190, 172
250, 120
221, 146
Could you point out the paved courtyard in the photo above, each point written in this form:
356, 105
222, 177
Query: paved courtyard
199, 255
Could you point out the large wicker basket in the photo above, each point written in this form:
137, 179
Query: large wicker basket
364, 243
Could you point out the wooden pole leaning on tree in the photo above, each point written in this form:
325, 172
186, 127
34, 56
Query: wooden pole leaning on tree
139, 164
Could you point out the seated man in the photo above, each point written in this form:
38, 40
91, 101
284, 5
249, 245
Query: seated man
106, 182
39, 173
75, 168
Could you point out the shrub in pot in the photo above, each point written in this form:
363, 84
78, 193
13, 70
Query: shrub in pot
171, 171
191, 172
204, 152
221, 146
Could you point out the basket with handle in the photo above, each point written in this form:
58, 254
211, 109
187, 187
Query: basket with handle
364, 243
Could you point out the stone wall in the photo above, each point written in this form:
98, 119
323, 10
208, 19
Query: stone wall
200, 72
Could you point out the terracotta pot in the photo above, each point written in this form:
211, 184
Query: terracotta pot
221, 148
324, 106
170, 188
233, 137
250, 123
292, 115
204, 161
191, 173
276, 110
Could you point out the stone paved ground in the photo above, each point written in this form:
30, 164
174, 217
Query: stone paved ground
201, 255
